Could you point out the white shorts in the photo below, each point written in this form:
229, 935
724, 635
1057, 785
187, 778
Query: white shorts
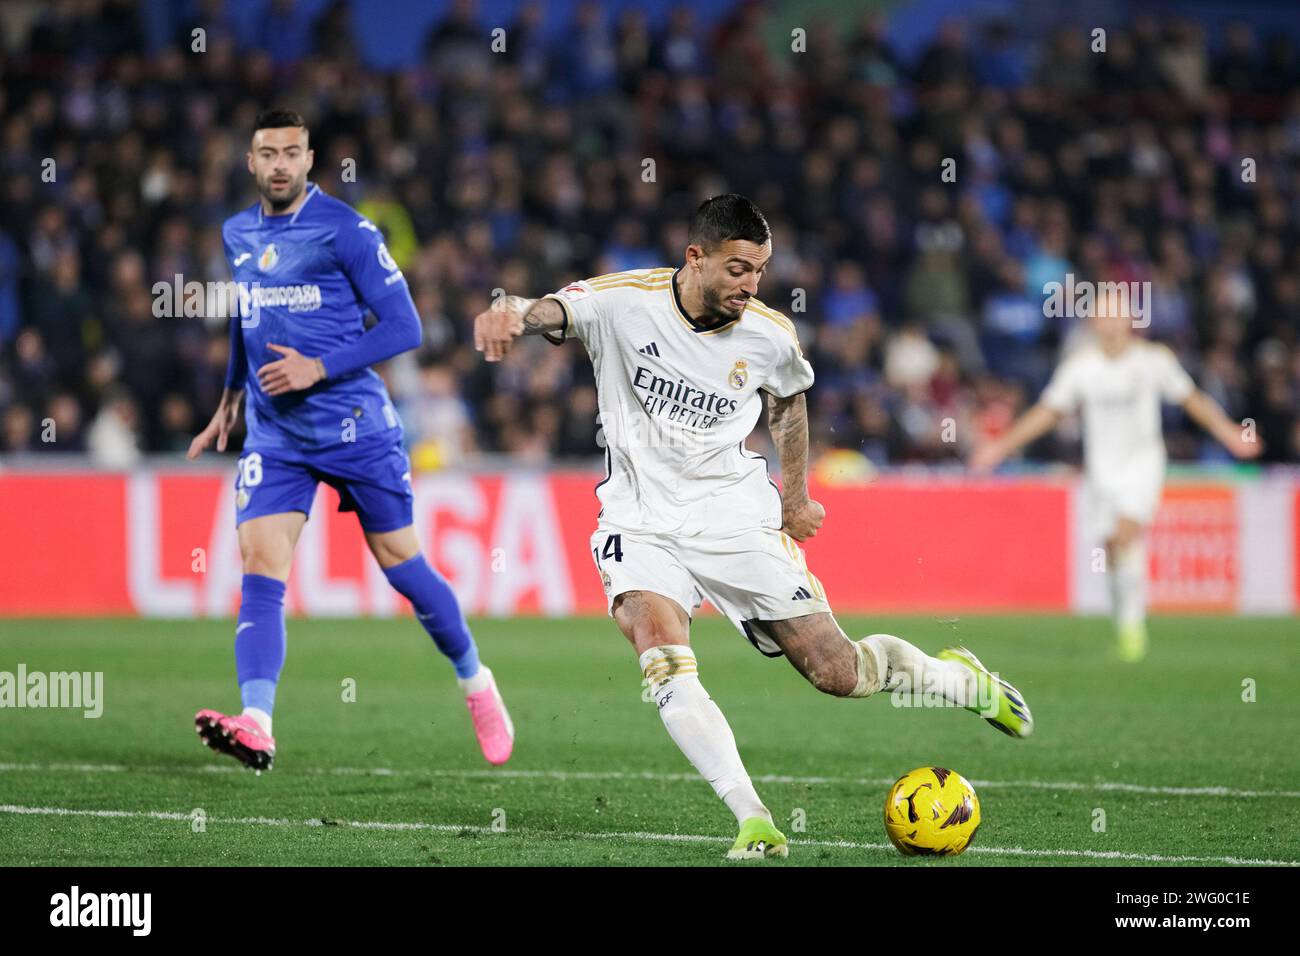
756, 575
1136, 500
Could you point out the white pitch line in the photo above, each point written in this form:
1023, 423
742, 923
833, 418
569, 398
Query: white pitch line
620, 835
562, 775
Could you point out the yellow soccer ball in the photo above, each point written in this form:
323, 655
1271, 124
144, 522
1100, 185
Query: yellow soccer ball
932, 811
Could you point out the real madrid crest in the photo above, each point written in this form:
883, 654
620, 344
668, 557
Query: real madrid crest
269, 257
739, 374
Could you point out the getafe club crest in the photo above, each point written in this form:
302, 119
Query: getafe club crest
242, 498
739, 374
269, 257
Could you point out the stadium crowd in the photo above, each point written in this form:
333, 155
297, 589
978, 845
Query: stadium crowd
919, 301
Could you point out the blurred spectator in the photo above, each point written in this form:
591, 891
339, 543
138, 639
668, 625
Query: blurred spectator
438, 428
178, 426
60, 307
113, 439
61, 429
19, 429
911, 359
10, 273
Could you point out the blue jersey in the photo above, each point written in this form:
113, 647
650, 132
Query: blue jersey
306, 280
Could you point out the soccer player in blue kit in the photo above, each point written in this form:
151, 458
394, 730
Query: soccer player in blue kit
308, 267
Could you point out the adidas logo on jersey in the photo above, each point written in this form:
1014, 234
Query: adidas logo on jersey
651, 349
802, 594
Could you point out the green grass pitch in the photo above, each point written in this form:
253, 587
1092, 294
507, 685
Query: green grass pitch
1183, 769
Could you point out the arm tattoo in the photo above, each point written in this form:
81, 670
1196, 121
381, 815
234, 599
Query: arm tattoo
788, 420
546, 315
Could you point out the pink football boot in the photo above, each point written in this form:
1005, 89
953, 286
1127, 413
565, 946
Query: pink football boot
241, 737
496, 732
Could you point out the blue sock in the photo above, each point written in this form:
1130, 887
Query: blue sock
260, 641
436, 606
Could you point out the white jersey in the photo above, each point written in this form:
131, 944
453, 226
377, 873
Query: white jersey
677, 402
1120, 398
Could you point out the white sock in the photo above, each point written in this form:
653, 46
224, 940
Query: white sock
905, 666
262, 717
698, 728
481, 680
1128, 585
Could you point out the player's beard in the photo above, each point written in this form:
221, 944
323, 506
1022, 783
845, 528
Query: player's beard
296, 187
716, 307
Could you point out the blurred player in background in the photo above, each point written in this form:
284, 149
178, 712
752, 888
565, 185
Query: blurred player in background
1118, 380
309, 266
680, 357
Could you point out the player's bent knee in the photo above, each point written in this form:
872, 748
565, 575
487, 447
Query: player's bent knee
836, 677
268, 556
648, 620
819, 650
266, 544
392, 548
268, 564
647, 632
1127, 533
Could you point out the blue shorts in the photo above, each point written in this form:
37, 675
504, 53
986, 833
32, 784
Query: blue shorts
372, 478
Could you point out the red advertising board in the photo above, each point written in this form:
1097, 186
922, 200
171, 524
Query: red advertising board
162, 543
1193, 549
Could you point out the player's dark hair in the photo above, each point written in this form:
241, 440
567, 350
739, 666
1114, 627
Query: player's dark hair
727, 218
279, 118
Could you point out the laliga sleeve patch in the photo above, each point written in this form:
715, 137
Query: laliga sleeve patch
389, 264
573, 292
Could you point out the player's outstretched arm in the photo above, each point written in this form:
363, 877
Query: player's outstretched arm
1031, 426
1205, 411
787, 418
222, 424
510, 317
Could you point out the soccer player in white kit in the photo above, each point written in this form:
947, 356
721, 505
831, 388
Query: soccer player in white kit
1119, 380
680, 357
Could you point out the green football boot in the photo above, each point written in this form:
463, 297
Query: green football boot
997, 701
759, 838
1132, 646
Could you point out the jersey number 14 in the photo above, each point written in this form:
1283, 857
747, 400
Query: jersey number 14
613, 548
